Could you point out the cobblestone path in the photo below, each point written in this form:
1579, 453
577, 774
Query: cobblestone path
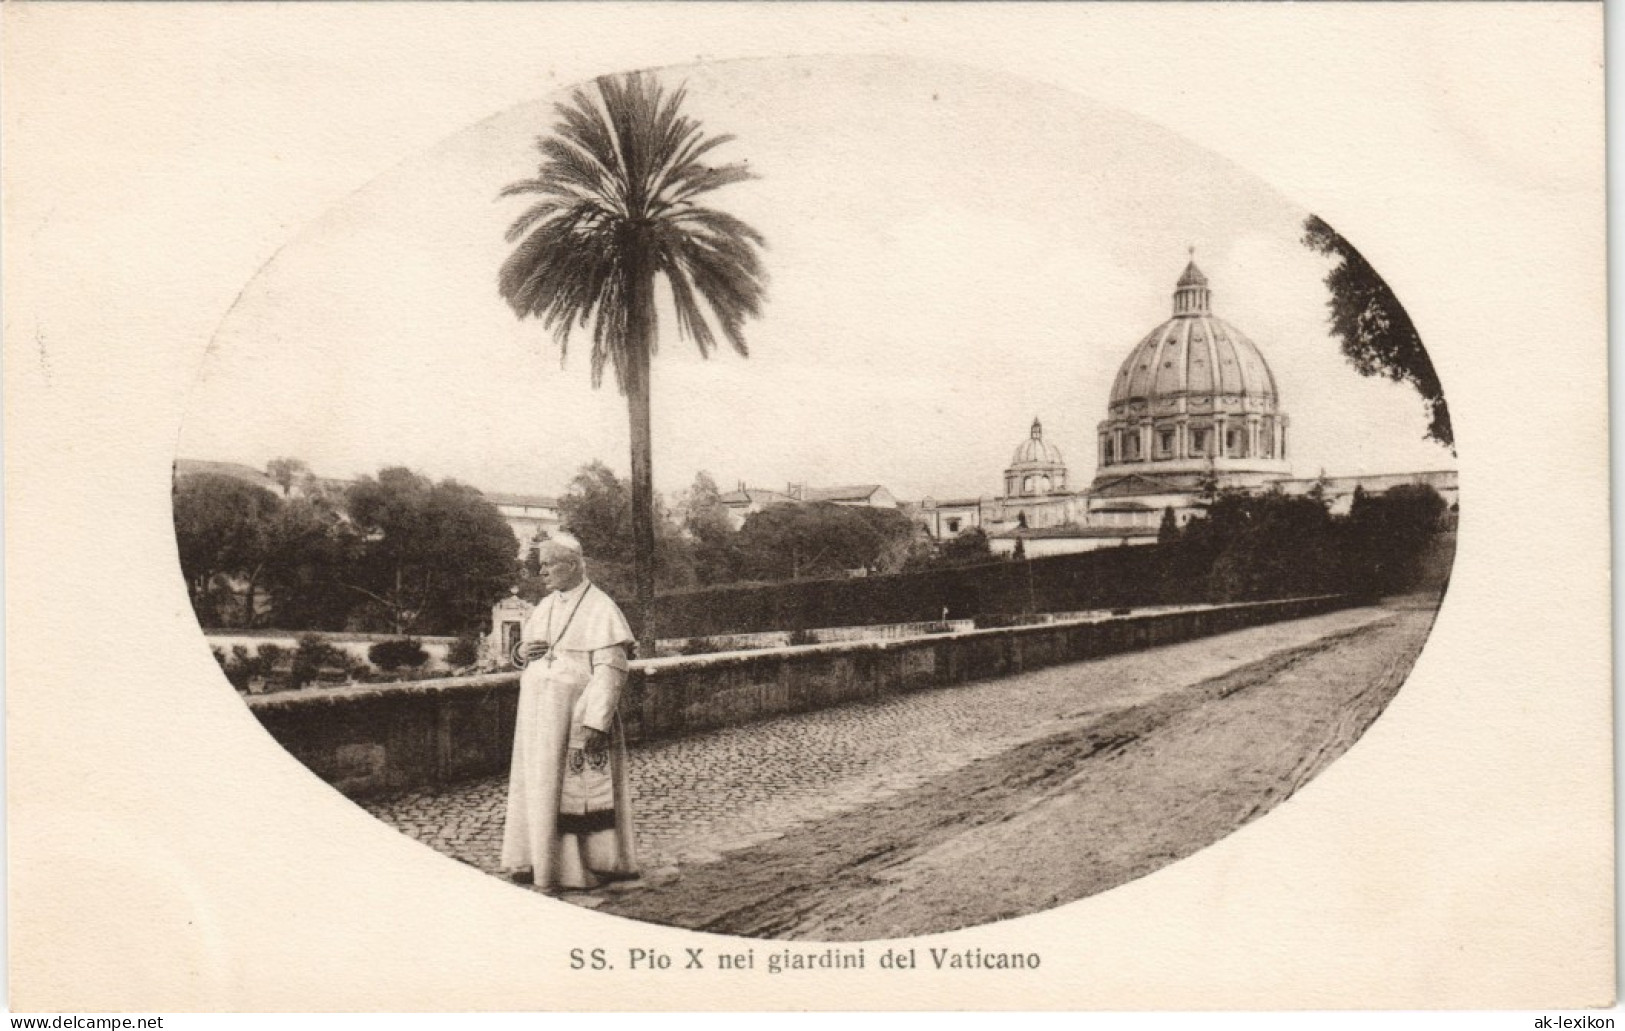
1102, 802
696, 798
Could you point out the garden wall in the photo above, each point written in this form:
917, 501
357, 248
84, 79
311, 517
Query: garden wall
370, 740
1104, 579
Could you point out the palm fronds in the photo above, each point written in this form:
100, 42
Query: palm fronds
616, 192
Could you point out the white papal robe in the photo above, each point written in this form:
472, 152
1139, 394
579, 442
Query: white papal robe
568, 820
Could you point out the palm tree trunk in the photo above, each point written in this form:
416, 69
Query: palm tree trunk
642, 326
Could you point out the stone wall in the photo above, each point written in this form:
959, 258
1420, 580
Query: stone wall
822, 635
378, 739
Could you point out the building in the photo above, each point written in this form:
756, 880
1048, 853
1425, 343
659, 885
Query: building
1193, 408
952, 516
1193, 405
532, 517
1036, 469
863, 495
744, 501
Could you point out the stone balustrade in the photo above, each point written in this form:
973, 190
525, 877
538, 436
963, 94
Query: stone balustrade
374, 739
822, 635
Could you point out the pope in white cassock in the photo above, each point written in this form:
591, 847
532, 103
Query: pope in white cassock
568, 825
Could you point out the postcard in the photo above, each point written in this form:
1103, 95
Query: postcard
784, 507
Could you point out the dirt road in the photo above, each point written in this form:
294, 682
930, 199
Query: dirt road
1103, 799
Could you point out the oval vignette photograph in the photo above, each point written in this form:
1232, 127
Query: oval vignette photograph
821, 499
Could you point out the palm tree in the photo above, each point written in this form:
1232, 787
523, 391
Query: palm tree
617, 185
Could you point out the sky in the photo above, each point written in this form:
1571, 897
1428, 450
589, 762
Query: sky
951, 253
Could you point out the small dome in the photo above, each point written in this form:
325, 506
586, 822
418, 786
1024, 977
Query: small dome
1034, 452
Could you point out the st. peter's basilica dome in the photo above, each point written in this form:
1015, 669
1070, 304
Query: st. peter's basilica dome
1193, 396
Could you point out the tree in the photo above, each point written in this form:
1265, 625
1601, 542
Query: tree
1254, 546
1378, 337
911, 550
1207, 488
968, 547
617, 184
704, 518
700, 509
790, 542
434, 557
310, 547
1168, 531
1317, 493
287, 472
1387, 534
221, 531
597, 509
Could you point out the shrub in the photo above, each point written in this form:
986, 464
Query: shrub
798, 637
465, 651
240, 667
236, 675
271, 655
398, 652
312, 656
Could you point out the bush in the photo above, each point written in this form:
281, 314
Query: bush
465, 651
312, 656
398, 652
799, 637
240, 667
271, 655
235, 674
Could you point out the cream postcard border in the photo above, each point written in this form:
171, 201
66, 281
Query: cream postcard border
165, 855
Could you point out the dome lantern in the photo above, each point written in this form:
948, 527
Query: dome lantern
1191, 295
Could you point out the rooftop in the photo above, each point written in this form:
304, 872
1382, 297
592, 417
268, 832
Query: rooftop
754, 496
1074, 532
521, 500
235, 470
857, 492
